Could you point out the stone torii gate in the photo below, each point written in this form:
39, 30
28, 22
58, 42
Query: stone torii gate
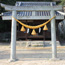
14, 10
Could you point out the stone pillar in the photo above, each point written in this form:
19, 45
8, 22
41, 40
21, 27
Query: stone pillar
13, 37
53, 36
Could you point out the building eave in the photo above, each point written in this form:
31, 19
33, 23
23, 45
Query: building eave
32, 17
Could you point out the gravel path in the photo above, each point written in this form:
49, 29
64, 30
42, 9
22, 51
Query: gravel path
31, 57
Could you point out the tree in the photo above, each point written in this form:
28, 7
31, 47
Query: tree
62, 2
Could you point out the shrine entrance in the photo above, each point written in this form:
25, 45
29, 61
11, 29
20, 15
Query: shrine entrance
38, 12
40, 33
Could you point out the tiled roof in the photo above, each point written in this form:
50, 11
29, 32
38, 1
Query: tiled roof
29, 13
34, 3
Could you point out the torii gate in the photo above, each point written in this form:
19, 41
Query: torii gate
14, 10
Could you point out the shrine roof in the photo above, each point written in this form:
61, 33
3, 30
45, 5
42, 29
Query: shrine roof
34, 3
26, 13
29, 13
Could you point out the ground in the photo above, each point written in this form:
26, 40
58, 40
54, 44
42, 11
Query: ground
32, 56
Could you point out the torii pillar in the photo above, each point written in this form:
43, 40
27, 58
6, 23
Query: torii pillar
53, 35
13, 31
13, 37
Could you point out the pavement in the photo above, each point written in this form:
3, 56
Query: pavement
32, 55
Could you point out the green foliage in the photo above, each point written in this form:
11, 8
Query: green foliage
12, 2
62, 2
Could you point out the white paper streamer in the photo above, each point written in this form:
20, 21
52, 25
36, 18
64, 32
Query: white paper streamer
27, 30
39, 30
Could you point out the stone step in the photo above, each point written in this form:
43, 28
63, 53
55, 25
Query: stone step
35, 43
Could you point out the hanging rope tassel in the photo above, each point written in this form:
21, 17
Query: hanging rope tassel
34, 27
33, 32
22, 29
45, 27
